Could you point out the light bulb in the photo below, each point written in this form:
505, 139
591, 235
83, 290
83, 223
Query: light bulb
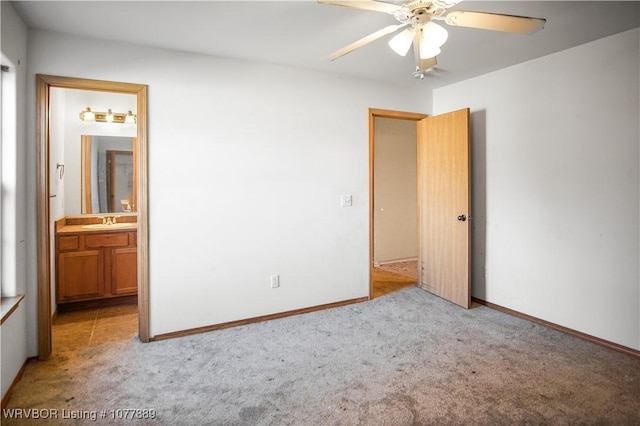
109, 116
402, 42
87, 115
130, 118
434, 34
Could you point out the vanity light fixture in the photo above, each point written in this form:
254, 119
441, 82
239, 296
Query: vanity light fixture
130, 118
87, 115
108, 117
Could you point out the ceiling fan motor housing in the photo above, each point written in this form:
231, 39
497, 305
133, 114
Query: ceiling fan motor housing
419, 12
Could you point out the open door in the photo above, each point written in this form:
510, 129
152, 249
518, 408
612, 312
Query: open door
444, 206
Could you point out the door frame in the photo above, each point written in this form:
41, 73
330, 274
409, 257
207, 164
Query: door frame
112, 200
373, 114
43, 238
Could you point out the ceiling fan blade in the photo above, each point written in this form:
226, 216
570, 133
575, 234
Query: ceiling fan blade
376, 6
366, 40
495, 21
422, 65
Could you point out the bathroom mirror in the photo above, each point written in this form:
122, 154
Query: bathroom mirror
108, 174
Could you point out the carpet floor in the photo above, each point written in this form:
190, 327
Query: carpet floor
404, 359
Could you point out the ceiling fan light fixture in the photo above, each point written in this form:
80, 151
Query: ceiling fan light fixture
401, 42
434, 34
428, 50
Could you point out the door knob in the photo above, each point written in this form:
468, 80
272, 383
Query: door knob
462, 218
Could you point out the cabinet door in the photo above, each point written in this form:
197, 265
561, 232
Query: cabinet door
80, 275
124, 271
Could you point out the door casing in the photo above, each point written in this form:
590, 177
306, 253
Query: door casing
43, 85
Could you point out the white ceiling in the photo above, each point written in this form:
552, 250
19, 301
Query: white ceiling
303, 33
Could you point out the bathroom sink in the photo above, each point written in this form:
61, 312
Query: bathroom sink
113, 225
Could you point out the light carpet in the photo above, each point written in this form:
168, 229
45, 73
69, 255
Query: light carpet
404, 359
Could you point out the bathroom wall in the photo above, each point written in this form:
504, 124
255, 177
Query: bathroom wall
74, 128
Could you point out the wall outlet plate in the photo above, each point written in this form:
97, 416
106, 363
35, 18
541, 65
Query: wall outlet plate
346, 200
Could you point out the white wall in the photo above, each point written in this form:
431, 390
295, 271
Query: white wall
14, 337
247, 165
555, 157
13, 344
395, 213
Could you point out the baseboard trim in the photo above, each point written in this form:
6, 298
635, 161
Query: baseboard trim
230, 324
7, 396
580, 335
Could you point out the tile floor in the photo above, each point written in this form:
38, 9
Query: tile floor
76, 330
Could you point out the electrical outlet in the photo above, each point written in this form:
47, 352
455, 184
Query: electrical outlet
346, 201
275, 281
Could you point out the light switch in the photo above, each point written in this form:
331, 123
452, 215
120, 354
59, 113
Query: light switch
346, 200
275, 281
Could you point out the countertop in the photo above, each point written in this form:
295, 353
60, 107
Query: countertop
80, 229
76, 224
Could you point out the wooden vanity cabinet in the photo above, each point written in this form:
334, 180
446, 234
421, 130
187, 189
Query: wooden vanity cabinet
95, 265
124, 271
80, 275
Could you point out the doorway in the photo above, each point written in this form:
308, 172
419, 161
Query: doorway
443, 202
393, 200
44, 85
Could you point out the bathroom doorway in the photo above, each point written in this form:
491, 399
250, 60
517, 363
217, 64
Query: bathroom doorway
50, 174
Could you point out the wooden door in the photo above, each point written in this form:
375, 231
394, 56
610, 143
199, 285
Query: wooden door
444, 206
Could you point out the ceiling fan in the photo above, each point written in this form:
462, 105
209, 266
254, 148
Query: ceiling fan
418, 29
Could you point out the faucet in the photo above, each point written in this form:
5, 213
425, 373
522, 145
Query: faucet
106, 220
